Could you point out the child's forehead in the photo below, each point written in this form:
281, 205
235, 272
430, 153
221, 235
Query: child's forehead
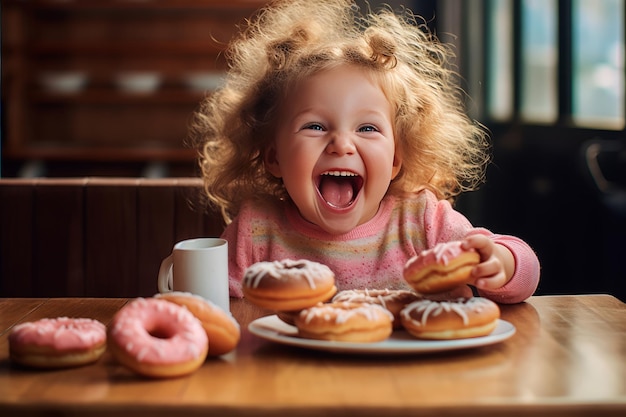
342, 69
335, 80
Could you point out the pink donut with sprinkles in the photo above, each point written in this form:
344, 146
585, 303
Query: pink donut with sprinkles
157, 338
57, 342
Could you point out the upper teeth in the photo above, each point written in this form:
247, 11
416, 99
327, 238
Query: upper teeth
340, 173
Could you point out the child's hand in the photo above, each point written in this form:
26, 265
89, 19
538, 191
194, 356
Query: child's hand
496, 263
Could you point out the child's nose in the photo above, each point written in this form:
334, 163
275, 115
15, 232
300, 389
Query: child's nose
341, 143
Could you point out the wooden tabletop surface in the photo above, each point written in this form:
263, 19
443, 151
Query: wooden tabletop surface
567, 358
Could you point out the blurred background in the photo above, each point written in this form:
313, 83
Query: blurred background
107, 87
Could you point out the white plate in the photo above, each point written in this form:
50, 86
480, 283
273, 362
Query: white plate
274, 329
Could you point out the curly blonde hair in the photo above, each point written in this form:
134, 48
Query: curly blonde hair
287, 41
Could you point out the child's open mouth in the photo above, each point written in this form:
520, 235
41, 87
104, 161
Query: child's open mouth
339, 188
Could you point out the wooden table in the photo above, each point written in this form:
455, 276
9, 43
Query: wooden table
567, 358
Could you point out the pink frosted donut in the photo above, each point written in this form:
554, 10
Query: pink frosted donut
157, 338
57, 342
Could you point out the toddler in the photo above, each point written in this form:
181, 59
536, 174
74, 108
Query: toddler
341, 138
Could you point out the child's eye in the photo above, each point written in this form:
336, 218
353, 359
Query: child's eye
368, 128
313, 126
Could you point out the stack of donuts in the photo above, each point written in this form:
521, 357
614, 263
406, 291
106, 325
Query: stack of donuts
303, 293
300, 290
438, 270
167, 335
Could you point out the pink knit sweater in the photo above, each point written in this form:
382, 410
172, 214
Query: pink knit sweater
373, 254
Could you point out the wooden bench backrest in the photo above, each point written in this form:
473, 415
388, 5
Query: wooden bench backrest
95, 237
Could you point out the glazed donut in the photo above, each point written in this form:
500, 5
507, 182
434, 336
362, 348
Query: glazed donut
441, 268
392, 300
57, 342
221, 328
288, 285
345, 322
456, 319
157, 338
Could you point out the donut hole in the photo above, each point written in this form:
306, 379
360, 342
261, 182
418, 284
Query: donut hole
161, 331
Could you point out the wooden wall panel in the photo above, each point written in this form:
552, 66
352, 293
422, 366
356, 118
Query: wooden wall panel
189, 217
58, 238
155, 233
111, 239
16, 239
94, 237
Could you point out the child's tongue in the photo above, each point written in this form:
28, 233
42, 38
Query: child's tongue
337, 192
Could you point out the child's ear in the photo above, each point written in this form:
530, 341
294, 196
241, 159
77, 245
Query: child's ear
397, 165
271, 162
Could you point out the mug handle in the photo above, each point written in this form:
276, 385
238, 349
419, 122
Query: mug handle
165, 281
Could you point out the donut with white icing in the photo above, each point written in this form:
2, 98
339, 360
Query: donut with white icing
288, 285
57, 342
345, 322
441, 268
454, 319
392, 300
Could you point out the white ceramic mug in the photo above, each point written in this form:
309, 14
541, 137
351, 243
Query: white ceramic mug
198, 266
